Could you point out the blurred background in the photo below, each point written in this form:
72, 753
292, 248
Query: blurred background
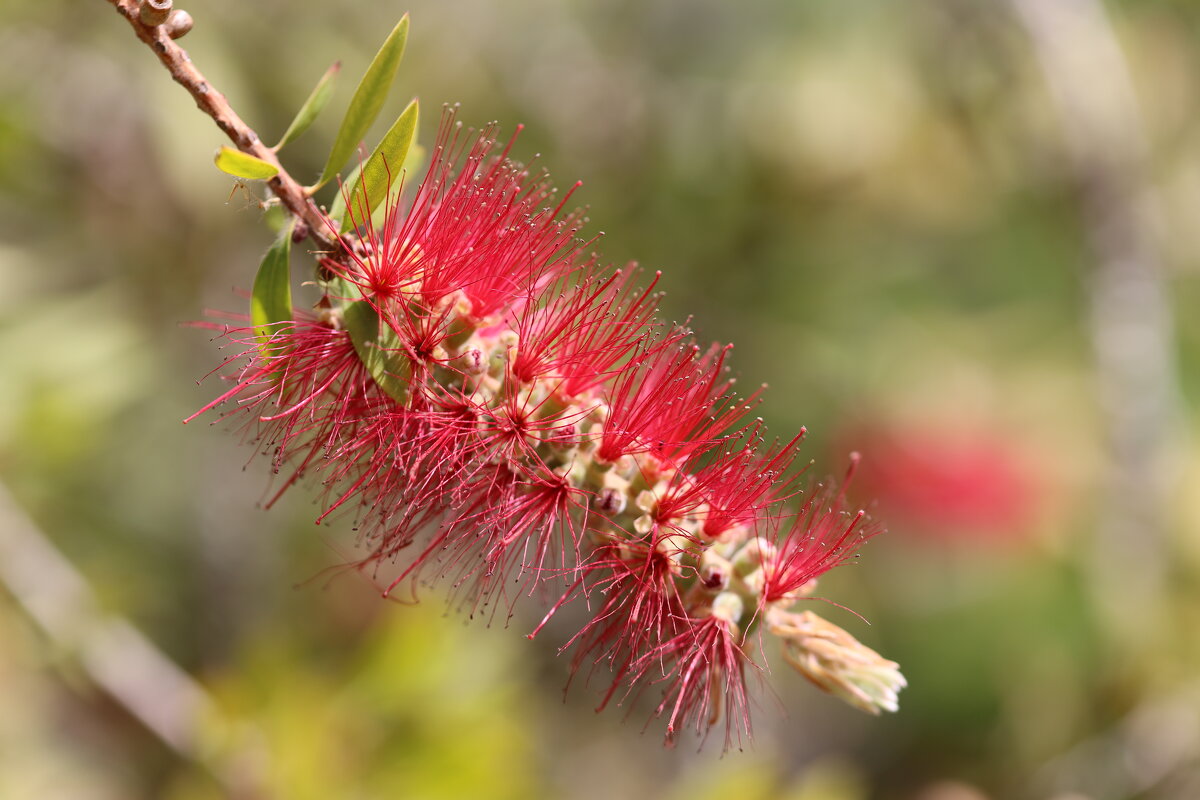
958, 236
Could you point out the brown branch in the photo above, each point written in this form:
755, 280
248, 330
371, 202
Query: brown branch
291, 193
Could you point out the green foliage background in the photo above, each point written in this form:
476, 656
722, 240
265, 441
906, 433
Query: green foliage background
872, 199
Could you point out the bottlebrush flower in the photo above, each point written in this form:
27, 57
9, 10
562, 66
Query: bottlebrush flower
579, 334
705, 673
501, 413
819, 537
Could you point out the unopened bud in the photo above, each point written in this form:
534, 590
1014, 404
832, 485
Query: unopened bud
836, 662
728, 606
627, 466
751, 557
755, 581
360, 247
178, 24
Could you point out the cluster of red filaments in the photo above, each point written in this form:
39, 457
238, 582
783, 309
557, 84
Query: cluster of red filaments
503, 414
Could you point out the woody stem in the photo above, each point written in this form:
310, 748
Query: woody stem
289, 191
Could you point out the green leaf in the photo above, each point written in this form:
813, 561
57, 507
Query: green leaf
312, 106
243, 165
416, 154
368, 100
379, 349
337, 209
271, 301
382, 170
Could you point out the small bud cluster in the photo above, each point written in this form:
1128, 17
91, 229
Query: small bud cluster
174, 21
503, 414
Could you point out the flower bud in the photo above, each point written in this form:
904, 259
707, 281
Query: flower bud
836, 662
751, 557
728, 606
178, 24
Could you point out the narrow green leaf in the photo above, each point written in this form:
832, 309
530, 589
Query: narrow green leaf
379, 349
271, 301
312, 106
368, 99
243, 165
337, 209
382, 170
416, 155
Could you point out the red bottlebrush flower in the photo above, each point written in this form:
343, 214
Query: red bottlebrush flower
479, 226
742, 487
641, 605
819, 537
671, 402
394, 468
499, 414
581, 335
537, 525
705, 678
304, 392
736, 485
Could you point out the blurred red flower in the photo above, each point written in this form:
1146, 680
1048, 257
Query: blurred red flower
947, 482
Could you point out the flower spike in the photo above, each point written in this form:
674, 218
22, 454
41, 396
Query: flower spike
500, 412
